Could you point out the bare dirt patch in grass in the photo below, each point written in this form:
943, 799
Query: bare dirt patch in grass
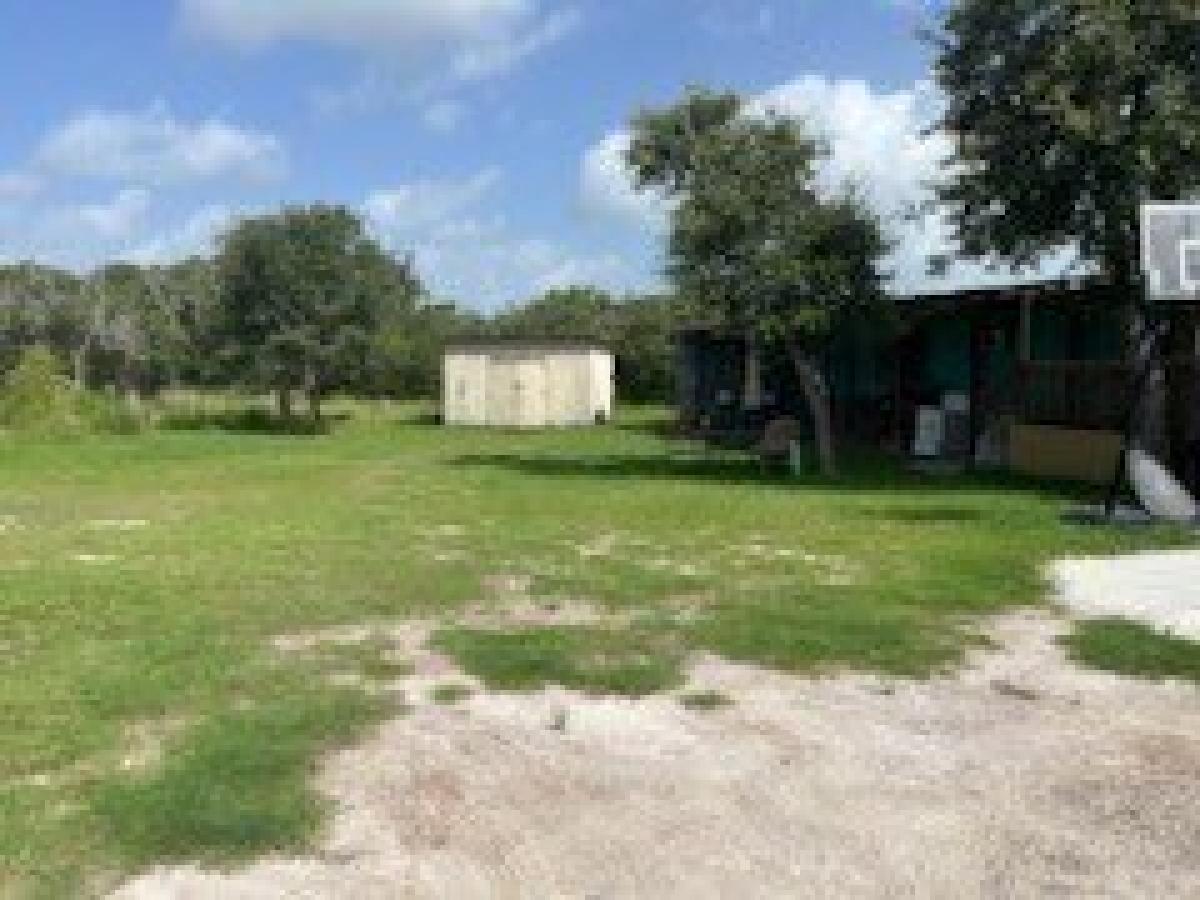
541, 612
1068, 781
146, 741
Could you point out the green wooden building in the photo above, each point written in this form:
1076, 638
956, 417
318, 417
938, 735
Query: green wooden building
1032, 377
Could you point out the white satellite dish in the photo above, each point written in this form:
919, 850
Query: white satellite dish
1171, 251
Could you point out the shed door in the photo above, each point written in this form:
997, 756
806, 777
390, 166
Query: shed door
516, 394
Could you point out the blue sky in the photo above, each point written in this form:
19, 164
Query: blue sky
482, 136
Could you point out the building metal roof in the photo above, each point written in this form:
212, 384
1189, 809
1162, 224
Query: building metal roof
529, 344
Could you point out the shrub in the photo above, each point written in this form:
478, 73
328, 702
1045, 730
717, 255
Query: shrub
37, 398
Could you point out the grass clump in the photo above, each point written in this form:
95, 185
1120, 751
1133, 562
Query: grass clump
704, 701
1133, 649
450, 694
593, 660
237, 788
816, 629
372, 659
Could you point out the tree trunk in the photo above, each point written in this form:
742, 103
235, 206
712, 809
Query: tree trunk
314, 404
284, 402
812, 383
79, 364
312, 390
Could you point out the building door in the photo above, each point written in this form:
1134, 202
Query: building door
516, 393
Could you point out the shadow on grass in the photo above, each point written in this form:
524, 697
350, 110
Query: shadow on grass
927, 515
859, 473
250, 421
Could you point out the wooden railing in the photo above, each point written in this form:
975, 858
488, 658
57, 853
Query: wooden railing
1091, 395
1083, 394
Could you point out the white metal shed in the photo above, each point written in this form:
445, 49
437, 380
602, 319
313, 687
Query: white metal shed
527, 384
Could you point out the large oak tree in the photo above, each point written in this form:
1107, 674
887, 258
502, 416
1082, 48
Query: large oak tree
1067, 115
754, 244
303, 294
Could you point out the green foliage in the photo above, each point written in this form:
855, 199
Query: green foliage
638, 329
37, 396
1067, 115
302, 295
755, 245
38, 399
665, 141
107, 413
39, 305
406, 355
597, 660
576, 313
765, 250
1133, 649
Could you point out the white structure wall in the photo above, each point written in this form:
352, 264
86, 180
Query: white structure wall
527, 385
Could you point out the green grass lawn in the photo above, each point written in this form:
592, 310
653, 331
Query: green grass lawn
1135, 650
145, 714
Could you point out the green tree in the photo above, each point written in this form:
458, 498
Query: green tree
1067, 115
40, 305
644, 347
408, 351
188, 308
37, 396
124, 331
573, 313
761, 250
303, 294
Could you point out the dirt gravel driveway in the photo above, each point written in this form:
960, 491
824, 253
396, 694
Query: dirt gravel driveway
1021, 776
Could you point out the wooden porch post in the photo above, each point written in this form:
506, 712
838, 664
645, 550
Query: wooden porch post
979, 336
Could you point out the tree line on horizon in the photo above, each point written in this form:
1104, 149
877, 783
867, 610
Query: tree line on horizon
300, 303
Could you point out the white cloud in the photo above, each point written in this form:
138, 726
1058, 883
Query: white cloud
878, 141
470, 255
55, 207
414, 49
155, 147
486, 266
608, 187
358, 23
503, 52
196, 235
114, 220
415, 207
443, 116
19, 185
739, 18
881, 143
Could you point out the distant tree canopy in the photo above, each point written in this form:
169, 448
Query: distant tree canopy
40, 306
754, 243
303, 300
1067, 115
233, 321
302, 296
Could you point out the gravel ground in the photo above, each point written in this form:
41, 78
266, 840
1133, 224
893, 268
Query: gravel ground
1159, 589
1019, 776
